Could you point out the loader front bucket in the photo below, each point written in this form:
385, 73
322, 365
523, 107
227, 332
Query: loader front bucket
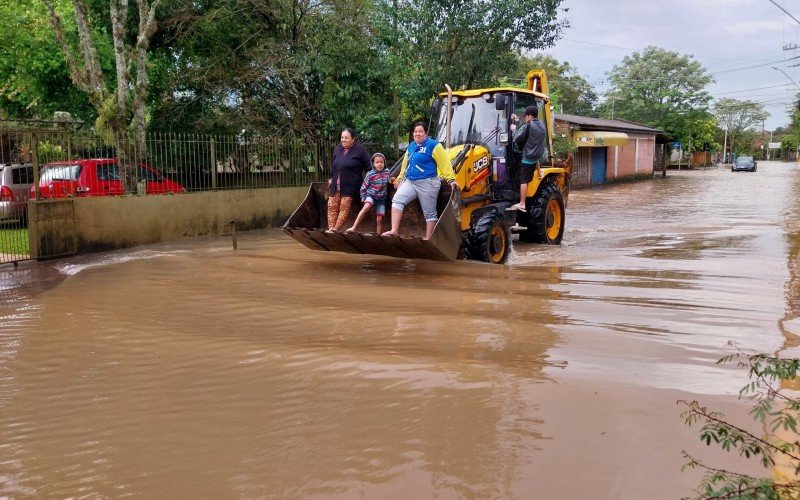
308, 225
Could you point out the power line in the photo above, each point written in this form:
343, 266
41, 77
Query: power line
599, 44
739, 59
669, 78
749, 90
754, 66
785, 11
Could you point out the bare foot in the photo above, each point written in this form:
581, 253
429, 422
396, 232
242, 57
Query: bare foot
518, 206
389, 233
350, 230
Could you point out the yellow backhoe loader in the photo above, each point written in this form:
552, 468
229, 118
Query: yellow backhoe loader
474, 127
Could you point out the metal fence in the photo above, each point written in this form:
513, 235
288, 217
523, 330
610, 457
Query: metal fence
195, 162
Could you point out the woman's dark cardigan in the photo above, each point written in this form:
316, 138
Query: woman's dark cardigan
351, 169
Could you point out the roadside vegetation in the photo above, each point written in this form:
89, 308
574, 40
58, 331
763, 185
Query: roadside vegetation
13, 242
778, 450
304, 70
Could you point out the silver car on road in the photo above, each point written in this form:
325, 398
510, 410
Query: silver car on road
15, 185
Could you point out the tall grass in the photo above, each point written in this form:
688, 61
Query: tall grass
13, 244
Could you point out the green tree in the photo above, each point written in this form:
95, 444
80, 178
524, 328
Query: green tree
569, 92
34, 81
736, 116
119, 99
467, 44
790, 136
659, 88
705, 130
293, 69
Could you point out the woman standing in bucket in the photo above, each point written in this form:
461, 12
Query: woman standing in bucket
350, 162
424, 166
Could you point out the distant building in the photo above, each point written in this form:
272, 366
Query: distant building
610, 150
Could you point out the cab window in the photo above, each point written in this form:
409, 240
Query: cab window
149, 175
108, 172
22, 175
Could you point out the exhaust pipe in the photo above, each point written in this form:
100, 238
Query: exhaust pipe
449, 111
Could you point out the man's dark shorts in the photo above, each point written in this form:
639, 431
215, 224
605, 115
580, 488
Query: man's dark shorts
526, 172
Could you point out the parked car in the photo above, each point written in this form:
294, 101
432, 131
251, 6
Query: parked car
747, 163
15, 184
98, 177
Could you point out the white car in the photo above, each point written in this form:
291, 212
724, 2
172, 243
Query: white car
15, 185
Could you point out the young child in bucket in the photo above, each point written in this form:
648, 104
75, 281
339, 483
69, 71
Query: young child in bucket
373, 192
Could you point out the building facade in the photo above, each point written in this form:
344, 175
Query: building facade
608, 150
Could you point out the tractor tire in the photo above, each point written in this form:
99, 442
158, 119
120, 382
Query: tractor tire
545, 216
489, 239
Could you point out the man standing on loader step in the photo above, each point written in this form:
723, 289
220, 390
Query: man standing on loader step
530, 138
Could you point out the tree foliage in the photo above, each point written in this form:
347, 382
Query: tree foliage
34, 80
569, 91
737, 116
430, 43
659, 88
790, 136
294, 68
773, 408
120, 105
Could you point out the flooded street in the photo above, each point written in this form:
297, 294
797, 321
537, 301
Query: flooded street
191, 370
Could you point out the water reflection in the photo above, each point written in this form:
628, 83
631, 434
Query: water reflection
266, 372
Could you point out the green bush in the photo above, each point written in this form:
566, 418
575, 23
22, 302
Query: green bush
772, 407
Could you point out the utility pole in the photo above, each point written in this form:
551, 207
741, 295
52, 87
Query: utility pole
769, 152
725, 145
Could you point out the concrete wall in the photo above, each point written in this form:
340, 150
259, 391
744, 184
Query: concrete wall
123, 221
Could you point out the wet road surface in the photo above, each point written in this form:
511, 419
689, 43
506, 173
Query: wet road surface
191, 370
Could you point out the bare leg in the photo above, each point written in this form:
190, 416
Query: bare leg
379, 223
396, 216
523, 193
363, 213
429, 225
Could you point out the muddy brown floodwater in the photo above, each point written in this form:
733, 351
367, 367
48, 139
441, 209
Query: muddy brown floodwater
191, 370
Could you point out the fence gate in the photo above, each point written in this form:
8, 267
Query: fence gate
51, 227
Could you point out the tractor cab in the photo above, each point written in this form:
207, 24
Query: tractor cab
482, 118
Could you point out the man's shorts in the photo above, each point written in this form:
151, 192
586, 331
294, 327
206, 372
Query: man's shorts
526, 172
379, 205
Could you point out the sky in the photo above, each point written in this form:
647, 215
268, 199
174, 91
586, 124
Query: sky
737, 41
